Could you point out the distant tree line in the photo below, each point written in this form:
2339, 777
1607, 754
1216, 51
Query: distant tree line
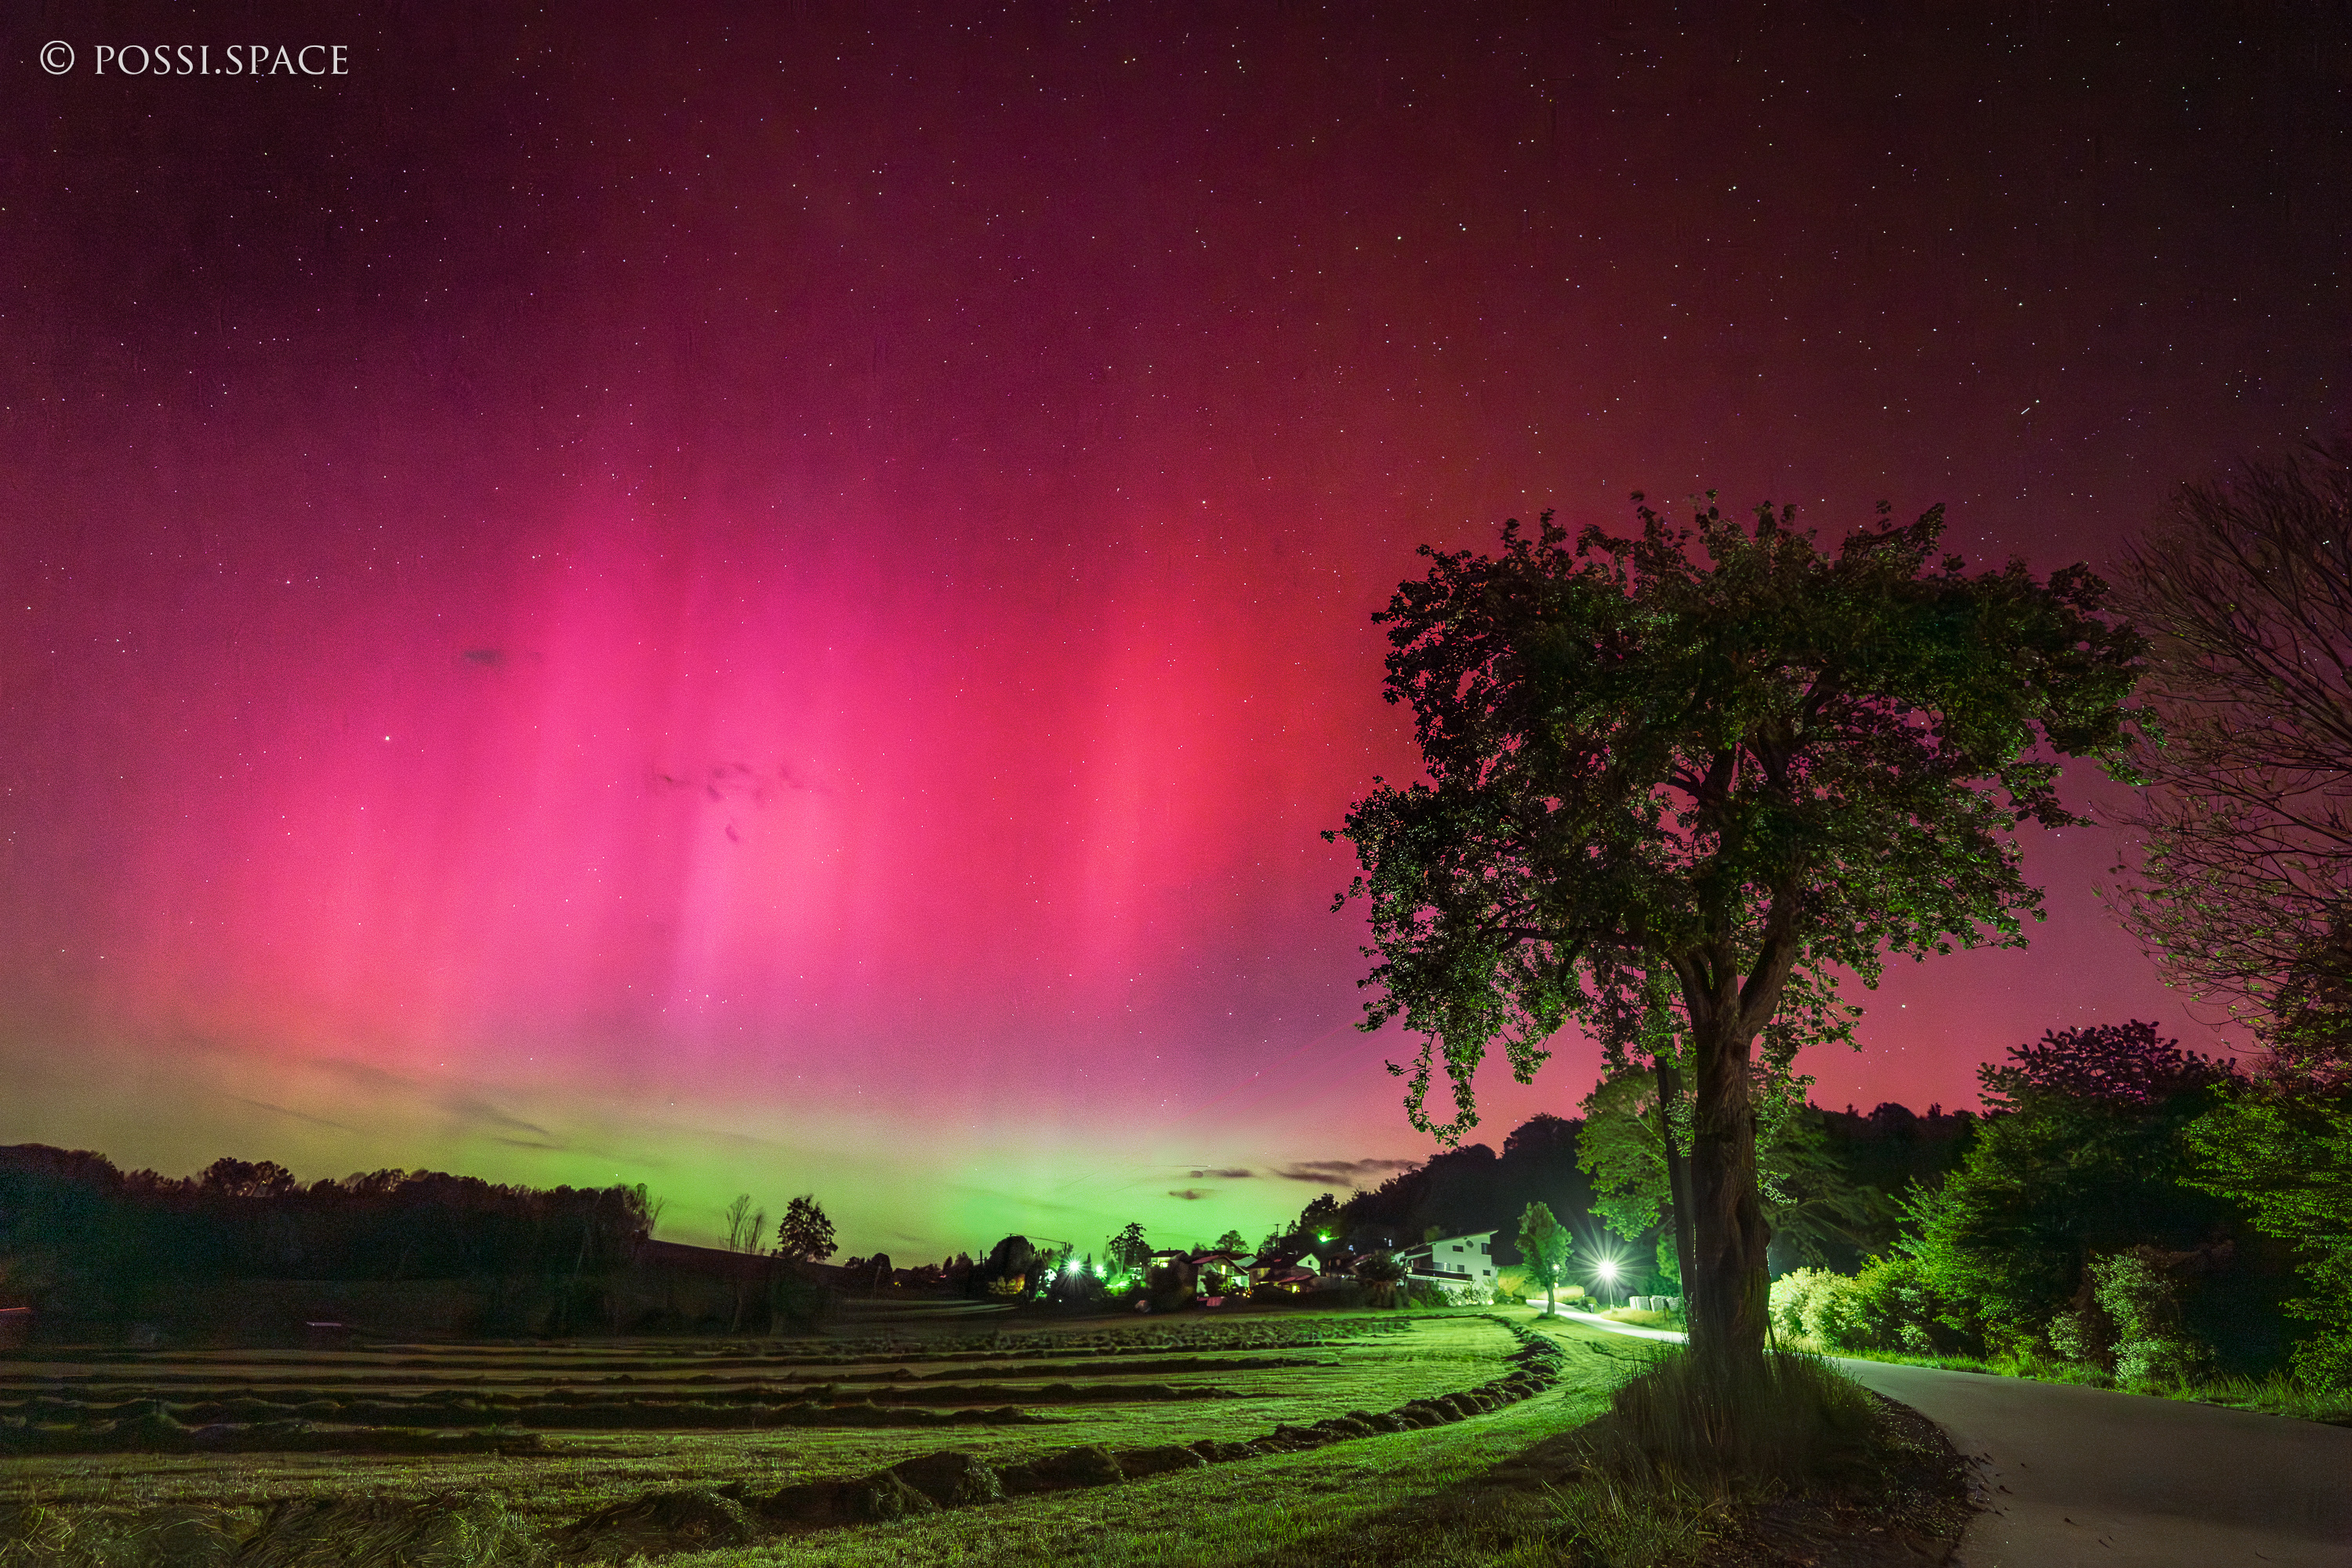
1841, 1179
75, 1228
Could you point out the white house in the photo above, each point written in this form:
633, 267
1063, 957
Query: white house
1457, 1261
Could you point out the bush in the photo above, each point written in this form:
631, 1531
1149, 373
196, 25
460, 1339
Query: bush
1786, 1304
2140, 1290
1827, 1318
1887, 1306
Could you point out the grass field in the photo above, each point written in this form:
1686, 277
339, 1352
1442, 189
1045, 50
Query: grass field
1134, 1389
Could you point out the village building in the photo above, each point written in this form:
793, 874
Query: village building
1453, 1262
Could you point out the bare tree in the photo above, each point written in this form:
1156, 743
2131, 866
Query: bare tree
2244, 886
746, 1230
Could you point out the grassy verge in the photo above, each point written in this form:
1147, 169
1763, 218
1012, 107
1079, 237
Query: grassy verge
2276, 1395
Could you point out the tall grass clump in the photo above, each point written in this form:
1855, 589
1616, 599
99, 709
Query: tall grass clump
1605, 1523
1791, 1422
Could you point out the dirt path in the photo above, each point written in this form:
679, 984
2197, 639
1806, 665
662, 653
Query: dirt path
2083, 1476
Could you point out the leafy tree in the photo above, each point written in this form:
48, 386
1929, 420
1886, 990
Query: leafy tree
1809, 1200
1545, 1243
229, 1178
1381, 1273
1230, 1242
1699, 772
2287, 1160
1013, 1258
1319, 1219
1670, 1267
2082, 1153
2244, 888
1128, 1251
805, 1235
1622, 1147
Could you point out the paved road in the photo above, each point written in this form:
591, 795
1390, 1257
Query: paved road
2085, 1477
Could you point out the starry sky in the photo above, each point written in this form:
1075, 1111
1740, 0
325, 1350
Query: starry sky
774, 598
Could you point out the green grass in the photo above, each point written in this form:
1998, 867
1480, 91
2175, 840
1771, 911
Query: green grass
1358, 1364
1514, 1487
2274, 1395
1229, 1513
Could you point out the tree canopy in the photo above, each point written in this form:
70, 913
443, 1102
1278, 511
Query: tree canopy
1128, 1251
1545, 1243
2082, 1153
1679, 781
1810, 1200
805, 1235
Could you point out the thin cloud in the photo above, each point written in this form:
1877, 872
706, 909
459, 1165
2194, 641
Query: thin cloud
1190, 1194
1344, 1172
482, 1113
297, 1115
1240, 1174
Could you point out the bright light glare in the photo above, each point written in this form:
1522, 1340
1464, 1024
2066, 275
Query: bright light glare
1607, 1269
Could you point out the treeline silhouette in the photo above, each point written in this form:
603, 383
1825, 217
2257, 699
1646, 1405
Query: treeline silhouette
71, 1222
1473, 1188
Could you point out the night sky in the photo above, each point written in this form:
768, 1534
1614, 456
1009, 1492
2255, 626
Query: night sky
777, 600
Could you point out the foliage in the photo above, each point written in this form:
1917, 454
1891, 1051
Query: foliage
1013, 1268
1545, 1243
1128, 1251
1718, 755
1231, 1241
805, 1235
1636, 757
2140, 1290
1382, 1273
2083, 1154
2287, 1160
81, 1235
2244, 888
2122, 1066
1474, 1187
1621, 1147
1887, 1306
1808, 1199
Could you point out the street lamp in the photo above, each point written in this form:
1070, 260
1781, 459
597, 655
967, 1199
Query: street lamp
1609, 1276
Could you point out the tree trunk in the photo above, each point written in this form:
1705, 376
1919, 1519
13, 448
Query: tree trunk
1678, 1186
1725, 1292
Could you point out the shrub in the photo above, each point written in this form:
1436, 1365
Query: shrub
1887, 1306
2140, 1290
1826, 1317
1786, 1304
